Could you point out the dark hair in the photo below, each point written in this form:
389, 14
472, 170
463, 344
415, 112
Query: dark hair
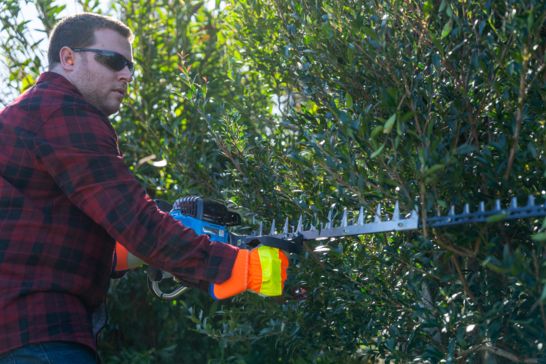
78, 31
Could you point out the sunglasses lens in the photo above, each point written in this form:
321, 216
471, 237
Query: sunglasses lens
115, 61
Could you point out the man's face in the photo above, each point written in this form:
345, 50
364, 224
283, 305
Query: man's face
100, 85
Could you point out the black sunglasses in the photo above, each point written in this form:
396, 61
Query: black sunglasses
110, 59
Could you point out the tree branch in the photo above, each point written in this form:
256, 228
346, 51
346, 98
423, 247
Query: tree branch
466, 288
519, 113
488, 348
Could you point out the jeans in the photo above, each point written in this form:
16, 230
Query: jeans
51, 353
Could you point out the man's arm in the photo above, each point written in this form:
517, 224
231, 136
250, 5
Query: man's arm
79, 150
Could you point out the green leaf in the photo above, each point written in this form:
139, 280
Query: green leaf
378, 129
27, 82
348, 100
466, 149
428, 7
496, 218
493, 264
435, 168
447, 29
540, 237
378, 151
389, 124
543, 296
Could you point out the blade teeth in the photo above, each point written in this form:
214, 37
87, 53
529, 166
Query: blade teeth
361, 216
377, 217
313, 227
396, 214
344, 218
299, 229
531, 202
273, 228
329, 223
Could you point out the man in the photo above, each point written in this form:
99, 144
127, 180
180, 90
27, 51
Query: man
66, 197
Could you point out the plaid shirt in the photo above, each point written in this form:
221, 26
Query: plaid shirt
65, 198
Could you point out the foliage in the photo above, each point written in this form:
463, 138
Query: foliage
285, 108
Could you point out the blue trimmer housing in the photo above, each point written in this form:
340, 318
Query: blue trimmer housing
205, 217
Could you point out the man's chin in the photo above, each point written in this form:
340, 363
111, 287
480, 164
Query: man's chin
110, 109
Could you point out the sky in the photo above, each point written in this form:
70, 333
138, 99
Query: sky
29, 13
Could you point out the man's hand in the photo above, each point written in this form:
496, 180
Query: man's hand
261, 270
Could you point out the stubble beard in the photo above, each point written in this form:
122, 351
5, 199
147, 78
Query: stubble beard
98, 96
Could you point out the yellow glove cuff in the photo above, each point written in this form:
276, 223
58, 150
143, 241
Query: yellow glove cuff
261, 270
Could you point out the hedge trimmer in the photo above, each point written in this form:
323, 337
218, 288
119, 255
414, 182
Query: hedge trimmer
214, 219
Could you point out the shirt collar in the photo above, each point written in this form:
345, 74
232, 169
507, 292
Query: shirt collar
57, 80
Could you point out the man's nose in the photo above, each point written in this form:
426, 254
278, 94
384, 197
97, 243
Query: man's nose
125, 74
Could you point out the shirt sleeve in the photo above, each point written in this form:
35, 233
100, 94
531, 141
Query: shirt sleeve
78, 148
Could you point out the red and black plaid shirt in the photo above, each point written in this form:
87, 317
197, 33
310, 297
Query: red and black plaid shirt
65, 197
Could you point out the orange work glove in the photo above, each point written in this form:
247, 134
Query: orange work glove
261, 270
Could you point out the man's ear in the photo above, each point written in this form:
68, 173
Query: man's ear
67, 58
